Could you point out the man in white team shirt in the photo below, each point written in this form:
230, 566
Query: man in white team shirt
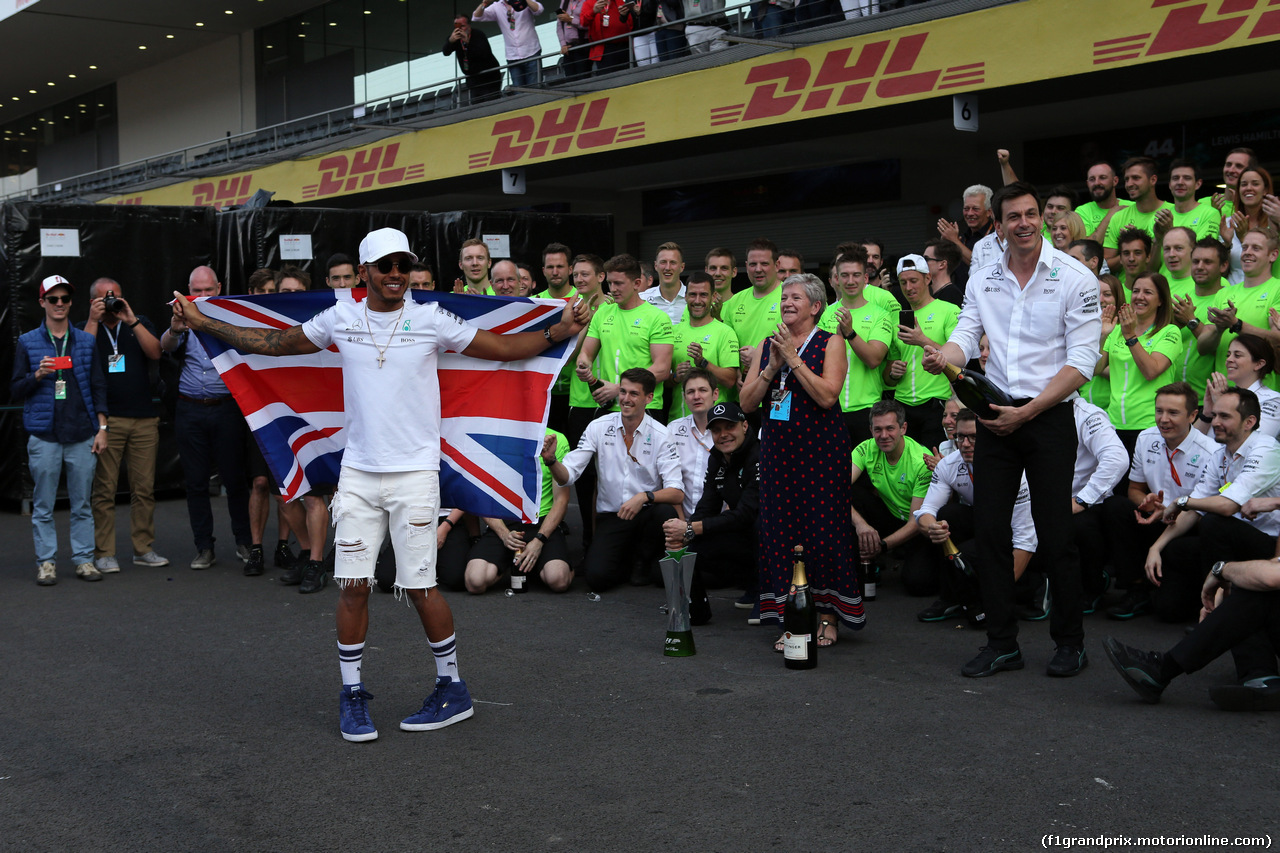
390, 469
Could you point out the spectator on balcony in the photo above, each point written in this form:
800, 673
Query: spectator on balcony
575, 63
519, 36
706, 25
605, 19
475, 60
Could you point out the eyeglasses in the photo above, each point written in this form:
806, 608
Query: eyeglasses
58, 300
385, 265
965, 437
931, 260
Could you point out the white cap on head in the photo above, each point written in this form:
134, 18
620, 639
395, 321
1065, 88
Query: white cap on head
385, 241
55, 281
915, 263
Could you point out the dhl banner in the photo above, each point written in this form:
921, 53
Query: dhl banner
1003, 46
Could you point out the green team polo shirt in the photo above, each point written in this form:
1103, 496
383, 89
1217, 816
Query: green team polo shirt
897, 484
751, 319
561, 385
624, 338
1204, 219
1131, 216
862, 385
719, 347
1252, 306
1092, 215
1097, 391
936, 320
548, 482
1133, 398
1194, 368
884, 300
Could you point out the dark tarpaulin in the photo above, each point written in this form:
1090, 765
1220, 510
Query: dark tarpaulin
149, 250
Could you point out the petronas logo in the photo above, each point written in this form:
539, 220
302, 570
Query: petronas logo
407, 323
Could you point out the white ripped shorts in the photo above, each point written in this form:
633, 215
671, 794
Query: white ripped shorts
367, 505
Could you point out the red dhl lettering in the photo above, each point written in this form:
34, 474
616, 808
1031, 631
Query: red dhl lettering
228, 191
362, 170
556, 131
1191, 26
889, 65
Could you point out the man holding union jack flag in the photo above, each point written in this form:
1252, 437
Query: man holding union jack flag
389, 481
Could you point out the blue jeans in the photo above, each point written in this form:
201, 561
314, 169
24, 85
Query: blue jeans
526, 73
45, 460
209, 434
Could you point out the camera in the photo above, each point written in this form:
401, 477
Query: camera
111, 302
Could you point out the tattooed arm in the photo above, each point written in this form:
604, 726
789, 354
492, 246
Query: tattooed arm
290, 341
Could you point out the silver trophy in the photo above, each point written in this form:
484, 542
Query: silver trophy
677, 577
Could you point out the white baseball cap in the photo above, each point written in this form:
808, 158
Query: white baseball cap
915, 263
55, 281
385, 241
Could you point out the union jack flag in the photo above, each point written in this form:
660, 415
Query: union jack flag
494, 414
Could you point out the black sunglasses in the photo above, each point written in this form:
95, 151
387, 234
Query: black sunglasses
385, 265
58, 300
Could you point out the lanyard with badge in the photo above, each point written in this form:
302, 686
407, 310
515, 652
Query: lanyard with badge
780, 397
115, 361
59, 384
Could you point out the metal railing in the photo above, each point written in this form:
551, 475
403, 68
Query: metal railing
421, 106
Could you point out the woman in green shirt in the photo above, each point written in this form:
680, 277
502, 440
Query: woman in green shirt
1138, 356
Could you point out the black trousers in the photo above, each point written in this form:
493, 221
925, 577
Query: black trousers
1230, 539
617, 542
1182, 570
953, 586
1087, 530
1045, 448
728, 558
919, 571
1244, 616
558, 415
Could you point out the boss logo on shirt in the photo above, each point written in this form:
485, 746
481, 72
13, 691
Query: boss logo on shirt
1049, 290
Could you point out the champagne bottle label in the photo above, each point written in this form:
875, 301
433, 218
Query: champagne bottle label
796, 646
517, 581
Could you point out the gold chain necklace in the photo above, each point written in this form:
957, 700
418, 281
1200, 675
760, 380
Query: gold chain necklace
382, 351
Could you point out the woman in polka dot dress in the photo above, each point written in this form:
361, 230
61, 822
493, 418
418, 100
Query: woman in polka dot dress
795, 377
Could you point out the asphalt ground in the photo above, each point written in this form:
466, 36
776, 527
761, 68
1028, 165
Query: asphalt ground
170, 709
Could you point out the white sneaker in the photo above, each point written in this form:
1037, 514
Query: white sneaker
107, 565
46, 573
86, 572
151, 558
204, 559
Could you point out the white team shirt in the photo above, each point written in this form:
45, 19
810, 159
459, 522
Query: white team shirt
652, 464
1034, 331
694, 446
393, 411
1252, 471
986, 252
1154, 463
1269, 423
1101, 459
953, 474
673, 308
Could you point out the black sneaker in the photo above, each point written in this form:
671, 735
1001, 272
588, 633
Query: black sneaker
292, 576
313, 577
1093, 601
255, 565
939, 611
1259, 694
990, 661
1067, 661
283, 557
1141, 669
1135, 602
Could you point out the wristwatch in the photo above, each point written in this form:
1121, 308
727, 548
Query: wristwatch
1181, 503
1084, 503
541, 537
1235, 327
1216, 571
104, 428
688, 532
1193, 324
853, 333
1129, 342
648, 496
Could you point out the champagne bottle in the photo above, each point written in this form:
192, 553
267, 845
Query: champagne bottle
869, 575
800, 620
519, 582
957, 559
976, 391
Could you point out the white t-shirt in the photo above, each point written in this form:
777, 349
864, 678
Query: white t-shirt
392, 411
694, 447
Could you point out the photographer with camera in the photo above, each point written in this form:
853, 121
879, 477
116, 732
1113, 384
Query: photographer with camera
129, 350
